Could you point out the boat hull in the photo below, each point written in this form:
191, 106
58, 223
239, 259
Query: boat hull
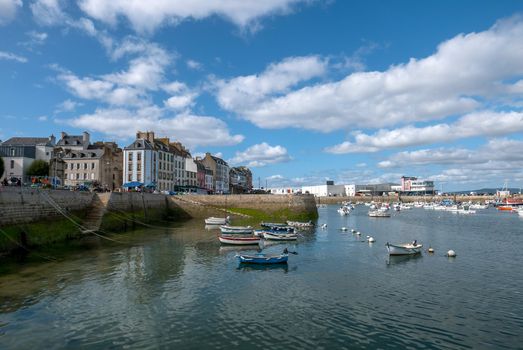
379, 214
263, 259
236, 229
280, 236
239, 240
215, 221
403, 249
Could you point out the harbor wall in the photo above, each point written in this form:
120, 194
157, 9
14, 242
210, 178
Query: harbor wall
406, 199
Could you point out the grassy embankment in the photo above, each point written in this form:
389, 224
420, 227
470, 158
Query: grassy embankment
256, 216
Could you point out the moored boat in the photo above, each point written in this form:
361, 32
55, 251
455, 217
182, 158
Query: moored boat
379, 213
273, 236
227, 229
239, 239
300, 224
216, 221
404, 248
262, 258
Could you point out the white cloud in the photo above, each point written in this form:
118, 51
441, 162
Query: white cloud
180, 101
194, 65
12, 57
260, 155
495, 151
8, 9
48, 12
485, 123
241, 93
146, 16
42, 118
465, 73
191, 130
67, 106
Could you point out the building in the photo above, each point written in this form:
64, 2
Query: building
240, 180
74, 142
284, 190
200, 174
220, 170
413, 186
99, 165
20, 152
157, 163
327, 190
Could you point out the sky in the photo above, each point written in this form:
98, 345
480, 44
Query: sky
301, 91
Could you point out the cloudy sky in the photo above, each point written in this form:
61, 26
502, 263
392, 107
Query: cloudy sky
300, 90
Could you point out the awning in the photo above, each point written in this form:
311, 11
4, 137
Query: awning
151, 185
132, 184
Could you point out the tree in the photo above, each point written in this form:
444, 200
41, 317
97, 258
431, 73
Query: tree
1, 166
38, 168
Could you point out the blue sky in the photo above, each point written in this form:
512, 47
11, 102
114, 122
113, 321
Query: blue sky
300, 91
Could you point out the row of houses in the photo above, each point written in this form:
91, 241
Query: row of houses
409, 186
150, 162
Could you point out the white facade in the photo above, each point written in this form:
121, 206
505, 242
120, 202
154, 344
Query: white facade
284, 190
140, 166
191, 171
350, 190
325, 190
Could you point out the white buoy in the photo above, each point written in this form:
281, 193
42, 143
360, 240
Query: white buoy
358, 233
353, 231
370, 239
343, 229
324, 226
431, 250
451, 254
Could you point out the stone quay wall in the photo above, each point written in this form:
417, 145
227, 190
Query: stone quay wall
24, 205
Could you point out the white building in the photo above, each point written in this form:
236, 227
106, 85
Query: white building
413, 185
284, 190
191, 171
20, 152
327, 190
141, 160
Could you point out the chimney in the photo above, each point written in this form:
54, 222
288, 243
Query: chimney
85, 137
63, 134
52, 140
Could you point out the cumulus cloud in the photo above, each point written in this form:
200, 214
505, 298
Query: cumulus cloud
191, 130
12, 57
48, 12
260, 155
146, 16
495, 151
192, 64
246, 91
8, 9
465, 73
484, 123
67, 106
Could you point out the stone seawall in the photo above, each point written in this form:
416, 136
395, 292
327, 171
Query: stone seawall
407, 199
23, 205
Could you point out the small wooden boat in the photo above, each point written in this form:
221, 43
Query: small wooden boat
274, 236
379, 213
301, 224
262, 258
273, 224
236, 229
216, 221
239, 239
404, 249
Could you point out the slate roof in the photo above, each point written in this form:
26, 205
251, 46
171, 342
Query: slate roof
26, 141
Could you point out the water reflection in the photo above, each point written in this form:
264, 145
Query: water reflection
261, 267
401, 259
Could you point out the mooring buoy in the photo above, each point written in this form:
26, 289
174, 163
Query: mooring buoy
451, 254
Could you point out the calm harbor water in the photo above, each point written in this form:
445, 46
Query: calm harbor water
178, 288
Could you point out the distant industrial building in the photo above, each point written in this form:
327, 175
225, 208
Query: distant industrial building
413, 186
327, 190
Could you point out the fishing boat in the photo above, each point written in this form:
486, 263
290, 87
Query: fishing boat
216, 221
344, 211
227, 229
301, 224
273, 224
262, 258
379, 213
239, 239
404, 249
274, 236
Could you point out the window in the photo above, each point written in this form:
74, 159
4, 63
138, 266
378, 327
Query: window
72, 176
130, 156
92, 176
85, 166
129, 178
92, 166
77, 176
77, 166
72, 166
139, 156
12, 152
12, 164
85, 176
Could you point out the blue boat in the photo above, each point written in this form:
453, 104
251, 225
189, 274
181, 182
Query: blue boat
262, 258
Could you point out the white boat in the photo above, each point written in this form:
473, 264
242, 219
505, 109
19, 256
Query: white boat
280, 236
300, 224
216, 221
344, 211
379, 213
520, 211
239, 239
227, 229
404, 249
